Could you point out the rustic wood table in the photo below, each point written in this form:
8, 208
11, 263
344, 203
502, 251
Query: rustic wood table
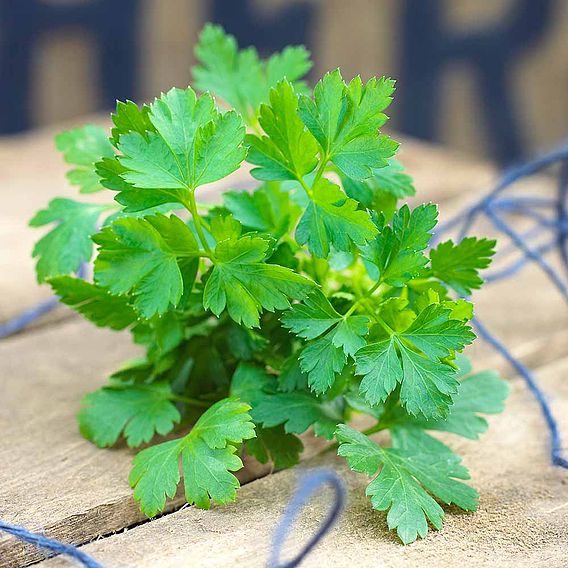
52, 480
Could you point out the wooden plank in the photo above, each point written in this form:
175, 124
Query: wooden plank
522, 519
51, 478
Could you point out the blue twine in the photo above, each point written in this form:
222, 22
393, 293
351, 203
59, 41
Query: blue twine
27, 317
307, 486
527, 375
49, 544
492, 206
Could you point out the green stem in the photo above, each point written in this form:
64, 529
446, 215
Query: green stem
361, 300
378, 427
320, 169
305, 186
190, 401
191, 206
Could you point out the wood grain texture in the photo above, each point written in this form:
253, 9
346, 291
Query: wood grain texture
521, 521
53, 480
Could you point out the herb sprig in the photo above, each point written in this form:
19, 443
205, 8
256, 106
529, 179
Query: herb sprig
301, 305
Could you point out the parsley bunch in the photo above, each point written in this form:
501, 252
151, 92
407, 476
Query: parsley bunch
308, 303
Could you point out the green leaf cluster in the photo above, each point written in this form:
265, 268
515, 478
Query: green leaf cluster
311, 303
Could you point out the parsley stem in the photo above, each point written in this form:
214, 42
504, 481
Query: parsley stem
320, 169
362, 299
191, 206
378, 427
384, 325
305, 186
190, 401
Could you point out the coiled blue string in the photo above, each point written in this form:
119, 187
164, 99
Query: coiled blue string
493, 207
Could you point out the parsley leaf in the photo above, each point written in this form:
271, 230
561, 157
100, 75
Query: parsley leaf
344, 119
94, 302
288, 151
381, 191
332, 218
436, 334
130, 118
194, 144
326, 302
239, 77
251, 384
427, 385
395, 255
207, 458
479, 393
297, 411
82, 147
137, 411
64, 248
406, 483
267, 209
459, 265
325, 357
244, 284
146, 257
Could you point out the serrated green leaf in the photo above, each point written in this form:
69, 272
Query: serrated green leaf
268, 209
332, 218
345, 119
436, 334
381, 369
459, 265
314, 316
207, 457
479, 393
239, 77
244, 283
129, 117
393, 179
137, 412
427, 385
288, 151
94, 302
406, 482
65, 247
395, 255
251, 384
297, 411
83, 147
322, 359
194, 144
142, 256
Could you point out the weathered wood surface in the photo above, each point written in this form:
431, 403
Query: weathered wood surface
522, 519
51, 479
55, 481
